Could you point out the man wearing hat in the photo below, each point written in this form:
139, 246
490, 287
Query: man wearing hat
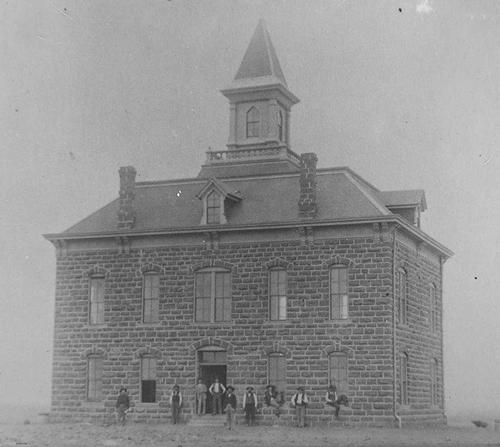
175, 403
300, 401
230, 406
332, 400
122, 405
250, 405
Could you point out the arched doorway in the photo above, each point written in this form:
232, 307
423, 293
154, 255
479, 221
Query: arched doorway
211, 362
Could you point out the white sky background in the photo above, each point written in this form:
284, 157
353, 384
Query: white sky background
406, 93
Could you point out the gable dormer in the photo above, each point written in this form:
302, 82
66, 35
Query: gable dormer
216, 198
407, 204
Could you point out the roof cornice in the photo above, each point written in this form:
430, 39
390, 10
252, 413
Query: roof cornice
414, 231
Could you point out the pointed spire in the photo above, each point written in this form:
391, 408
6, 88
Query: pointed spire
260, 58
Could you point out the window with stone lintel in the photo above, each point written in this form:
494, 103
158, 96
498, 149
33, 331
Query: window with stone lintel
212, 295
94, 378
338, 374
277, 293
339, 302
148, 379
151, 297
96, 299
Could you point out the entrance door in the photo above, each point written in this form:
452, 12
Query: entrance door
212, 364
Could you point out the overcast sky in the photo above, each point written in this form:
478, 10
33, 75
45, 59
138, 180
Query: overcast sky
406, 93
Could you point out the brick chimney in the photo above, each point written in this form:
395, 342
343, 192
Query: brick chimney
126, 212
307, 199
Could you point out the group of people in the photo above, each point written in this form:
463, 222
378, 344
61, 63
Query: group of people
222, 395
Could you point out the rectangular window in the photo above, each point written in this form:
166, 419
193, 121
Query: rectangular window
339, 307
94, 379
403, 380
277, 294
148, 379
434, 383
213, 296
338, 372
96, 300
151, 300
277, 371
402, 291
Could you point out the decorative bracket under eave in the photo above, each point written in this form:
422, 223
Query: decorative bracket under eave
306, 234
123, 243
382, 229
211, 240
61, 248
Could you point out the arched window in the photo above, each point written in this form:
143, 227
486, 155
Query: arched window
402, 291
434, 382
148, 379
277, 371
339, 305
403, 378
338, 371
150, 297
213, 208
432, 308
94, 378
280, 125
253, 122
212, 295
277, 293
96, 299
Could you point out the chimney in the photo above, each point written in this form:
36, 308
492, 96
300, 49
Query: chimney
307, 199
126, 213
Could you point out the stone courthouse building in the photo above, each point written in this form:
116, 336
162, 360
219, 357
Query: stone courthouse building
262, 269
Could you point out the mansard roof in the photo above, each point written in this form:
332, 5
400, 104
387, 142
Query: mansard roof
273, 198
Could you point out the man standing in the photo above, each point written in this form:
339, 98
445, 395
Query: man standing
250, 405
175, 403
230, 407
122, 405
300, 401
217, 390
201, 398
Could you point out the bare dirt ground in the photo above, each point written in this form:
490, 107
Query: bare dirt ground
167, 435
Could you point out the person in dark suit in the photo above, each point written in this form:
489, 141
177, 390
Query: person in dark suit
122, 405
230, 406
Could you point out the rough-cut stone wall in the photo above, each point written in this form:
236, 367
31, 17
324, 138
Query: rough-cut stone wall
416, 338
306, 337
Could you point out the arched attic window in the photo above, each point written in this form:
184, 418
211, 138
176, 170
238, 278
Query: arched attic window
213, 208
253, 123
